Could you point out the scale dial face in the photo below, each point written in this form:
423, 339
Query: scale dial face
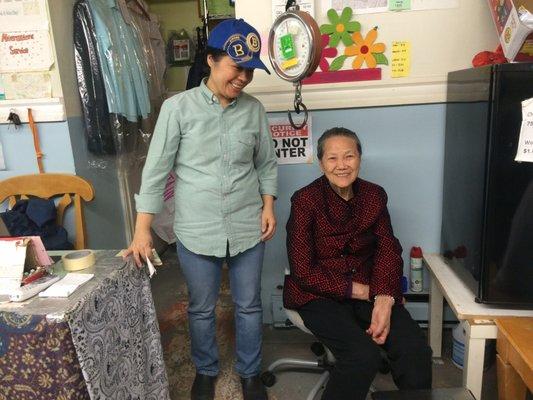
294, 45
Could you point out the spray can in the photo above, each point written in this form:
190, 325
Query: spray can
415, 270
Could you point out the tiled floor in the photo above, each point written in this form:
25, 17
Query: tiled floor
293, 384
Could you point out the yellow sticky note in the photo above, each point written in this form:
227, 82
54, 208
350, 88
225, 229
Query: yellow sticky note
401, 59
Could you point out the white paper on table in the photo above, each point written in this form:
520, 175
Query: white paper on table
23, 15
524, 151
66, 286
29, 85
25, 51
12, 257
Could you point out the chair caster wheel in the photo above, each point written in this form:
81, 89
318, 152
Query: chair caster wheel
268, 378
318, 349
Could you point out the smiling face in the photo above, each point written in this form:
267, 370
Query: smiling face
340, 163
227, 79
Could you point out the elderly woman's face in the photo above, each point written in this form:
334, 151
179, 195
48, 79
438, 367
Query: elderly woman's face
340, 161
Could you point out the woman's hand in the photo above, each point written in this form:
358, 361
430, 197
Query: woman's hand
268, 219
359, 291
380, 324
142, 244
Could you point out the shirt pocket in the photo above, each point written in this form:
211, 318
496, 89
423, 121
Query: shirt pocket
243, 147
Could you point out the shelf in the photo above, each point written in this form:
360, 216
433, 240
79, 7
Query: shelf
43, 110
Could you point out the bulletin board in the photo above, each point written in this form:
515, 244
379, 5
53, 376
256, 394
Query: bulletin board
442, 35
29, 76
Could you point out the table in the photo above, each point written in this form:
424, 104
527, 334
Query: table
515, 357
458, 287
102, 342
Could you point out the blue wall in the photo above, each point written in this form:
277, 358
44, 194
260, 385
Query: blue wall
403, 149
19, 153
64, 147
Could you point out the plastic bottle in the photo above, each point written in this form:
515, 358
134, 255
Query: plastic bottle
416, 269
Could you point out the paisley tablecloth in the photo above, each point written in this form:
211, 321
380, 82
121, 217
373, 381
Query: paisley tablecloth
101, 343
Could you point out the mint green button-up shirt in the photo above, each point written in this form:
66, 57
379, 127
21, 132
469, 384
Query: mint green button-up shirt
224, 161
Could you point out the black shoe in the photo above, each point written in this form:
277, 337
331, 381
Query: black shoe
203, 387
253, 388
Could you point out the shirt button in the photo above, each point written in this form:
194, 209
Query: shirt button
343, 255
353, 270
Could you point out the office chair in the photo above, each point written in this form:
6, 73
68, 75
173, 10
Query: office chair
324, 361
50, 185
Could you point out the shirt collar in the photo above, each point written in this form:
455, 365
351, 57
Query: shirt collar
210, 97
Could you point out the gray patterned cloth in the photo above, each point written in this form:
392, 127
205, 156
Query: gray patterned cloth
116, 334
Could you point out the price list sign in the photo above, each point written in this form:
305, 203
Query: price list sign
525, 142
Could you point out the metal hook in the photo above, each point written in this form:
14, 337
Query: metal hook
298, 127
297, 104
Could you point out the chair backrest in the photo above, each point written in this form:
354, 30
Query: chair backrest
47, 186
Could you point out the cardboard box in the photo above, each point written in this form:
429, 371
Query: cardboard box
514, 22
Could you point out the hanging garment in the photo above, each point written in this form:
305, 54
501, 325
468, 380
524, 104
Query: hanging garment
199, 68
90, 83
121, 61
146, 25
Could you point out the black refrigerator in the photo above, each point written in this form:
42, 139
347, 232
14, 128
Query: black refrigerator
487, 213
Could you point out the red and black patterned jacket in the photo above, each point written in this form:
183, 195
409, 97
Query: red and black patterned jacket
332, 242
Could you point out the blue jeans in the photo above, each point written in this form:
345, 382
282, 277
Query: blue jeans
203, 275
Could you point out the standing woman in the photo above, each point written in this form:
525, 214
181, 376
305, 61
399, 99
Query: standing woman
216, 138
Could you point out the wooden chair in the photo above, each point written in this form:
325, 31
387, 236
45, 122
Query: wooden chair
51, 185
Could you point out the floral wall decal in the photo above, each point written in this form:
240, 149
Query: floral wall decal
342, 29
366, 51
327, 52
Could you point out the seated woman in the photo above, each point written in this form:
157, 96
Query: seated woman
346, 270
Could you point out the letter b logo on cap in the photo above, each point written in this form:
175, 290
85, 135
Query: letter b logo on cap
238, 50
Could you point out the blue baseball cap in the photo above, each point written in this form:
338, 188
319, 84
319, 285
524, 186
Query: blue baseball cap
240, 41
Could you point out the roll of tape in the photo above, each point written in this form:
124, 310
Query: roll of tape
78, 260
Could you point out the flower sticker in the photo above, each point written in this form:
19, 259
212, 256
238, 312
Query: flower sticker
366, 51
341, 27
327, 52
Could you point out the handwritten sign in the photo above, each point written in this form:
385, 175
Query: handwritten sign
525, 142
292, 146
401, 59
25, 51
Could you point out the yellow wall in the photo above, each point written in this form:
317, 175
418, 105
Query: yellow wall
175, 15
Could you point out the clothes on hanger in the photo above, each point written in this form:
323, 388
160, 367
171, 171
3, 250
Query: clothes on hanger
146, 25
91, 83
199, 68
121, 61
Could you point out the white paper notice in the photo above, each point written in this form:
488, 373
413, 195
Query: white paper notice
278, 7
2, 161
26, 15
30, 85
292, 146
25, 51
525, 142
433, 4
2, 90
360, 6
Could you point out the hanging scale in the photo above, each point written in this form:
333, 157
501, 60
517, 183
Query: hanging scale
294, 51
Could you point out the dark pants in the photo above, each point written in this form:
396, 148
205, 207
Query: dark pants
341, 326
